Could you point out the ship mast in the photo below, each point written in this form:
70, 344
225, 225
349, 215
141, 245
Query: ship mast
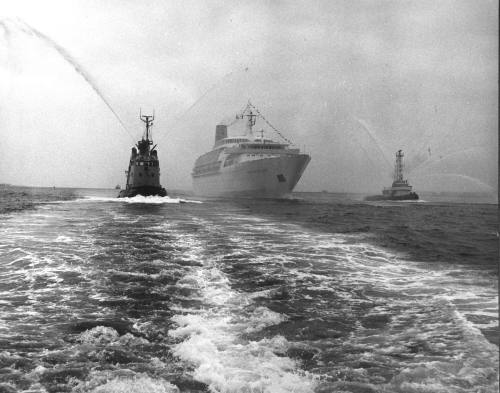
250, 123
398, 168
148, 120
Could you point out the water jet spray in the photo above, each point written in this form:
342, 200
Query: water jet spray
27, 29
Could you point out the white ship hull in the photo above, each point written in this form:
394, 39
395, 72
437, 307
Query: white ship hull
271, 177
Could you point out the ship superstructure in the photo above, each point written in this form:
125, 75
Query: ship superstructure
143, 174
248, 164
400, 189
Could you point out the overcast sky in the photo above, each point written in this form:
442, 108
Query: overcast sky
352, 81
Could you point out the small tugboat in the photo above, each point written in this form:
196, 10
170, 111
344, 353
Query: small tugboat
143, 174
400, 190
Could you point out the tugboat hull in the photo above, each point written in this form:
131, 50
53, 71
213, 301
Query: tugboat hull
144, 191
409, 197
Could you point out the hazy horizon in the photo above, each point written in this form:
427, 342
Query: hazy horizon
353, 82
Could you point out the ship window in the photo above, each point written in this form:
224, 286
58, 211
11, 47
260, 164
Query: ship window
281, 178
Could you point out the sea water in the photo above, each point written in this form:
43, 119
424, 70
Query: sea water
319, 293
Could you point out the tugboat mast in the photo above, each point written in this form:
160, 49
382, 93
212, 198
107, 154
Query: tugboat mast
398, 168
148, 120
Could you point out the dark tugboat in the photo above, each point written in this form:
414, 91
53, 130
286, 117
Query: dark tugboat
143, 175
400, 190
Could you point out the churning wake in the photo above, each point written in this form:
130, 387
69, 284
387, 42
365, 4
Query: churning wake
151, 294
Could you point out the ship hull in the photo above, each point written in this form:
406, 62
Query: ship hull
272, 177
142, 190
408, 197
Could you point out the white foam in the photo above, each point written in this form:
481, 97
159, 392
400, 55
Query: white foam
99, 335
124, 381
154, 200
63, 239
212, 336
229, 364
338, 261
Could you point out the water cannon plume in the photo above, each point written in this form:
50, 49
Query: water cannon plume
26, 28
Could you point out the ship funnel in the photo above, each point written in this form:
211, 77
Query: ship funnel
220, 132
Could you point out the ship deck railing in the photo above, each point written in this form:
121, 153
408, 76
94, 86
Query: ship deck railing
265, 148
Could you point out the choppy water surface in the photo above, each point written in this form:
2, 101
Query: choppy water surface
155, 295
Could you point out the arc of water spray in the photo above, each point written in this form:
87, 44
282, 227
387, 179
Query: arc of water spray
428, 162
367, 155
469, 178
72, 61
373, 139
206, 93
5, 30
199, 99
194, 104
426, 143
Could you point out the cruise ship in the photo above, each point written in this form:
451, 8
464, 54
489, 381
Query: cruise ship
248, 165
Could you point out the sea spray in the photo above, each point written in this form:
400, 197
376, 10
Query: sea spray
206, 93
26, 28
485, 187
430, 160
6, 31
374, 139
